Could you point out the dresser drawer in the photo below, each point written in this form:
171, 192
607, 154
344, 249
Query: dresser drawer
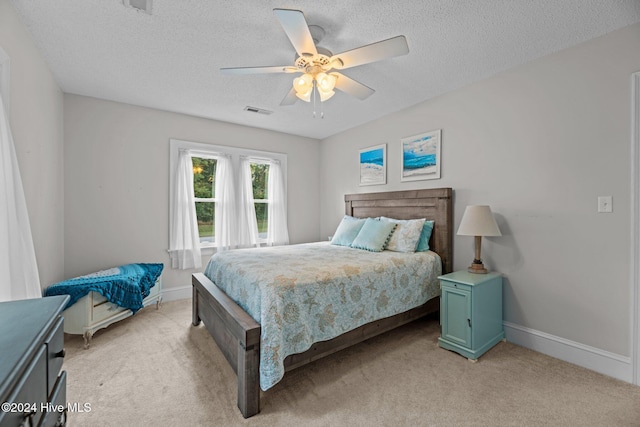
93, 312
58, 400
102, 308
30, 391
55, 353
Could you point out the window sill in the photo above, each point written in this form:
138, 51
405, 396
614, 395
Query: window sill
210, 250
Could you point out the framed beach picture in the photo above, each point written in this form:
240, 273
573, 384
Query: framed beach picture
373, 165
421, 156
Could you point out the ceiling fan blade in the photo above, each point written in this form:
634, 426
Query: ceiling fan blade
352, 87
260, 70
290, 99
384, 49
297, 30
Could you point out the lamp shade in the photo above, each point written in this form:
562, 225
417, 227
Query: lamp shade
478, 220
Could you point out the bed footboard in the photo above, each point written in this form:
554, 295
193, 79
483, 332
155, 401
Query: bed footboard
237, 335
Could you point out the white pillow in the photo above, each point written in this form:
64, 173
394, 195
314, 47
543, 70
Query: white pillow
406, 235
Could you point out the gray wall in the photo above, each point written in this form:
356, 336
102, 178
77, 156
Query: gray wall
117, 181
36, 124
538, 143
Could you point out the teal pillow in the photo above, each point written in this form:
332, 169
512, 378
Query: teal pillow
374, 235
423, 243
347, 231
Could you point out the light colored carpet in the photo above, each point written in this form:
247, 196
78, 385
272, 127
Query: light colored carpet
155, 369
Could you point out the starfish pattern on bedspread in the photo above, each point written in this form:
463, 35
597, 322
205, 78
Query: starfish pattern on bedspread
337, 289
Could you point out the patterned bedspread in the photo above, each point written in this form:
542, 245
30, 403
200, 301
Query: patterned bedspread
301, 294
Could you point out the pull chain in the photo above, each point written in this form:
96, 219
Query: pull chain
313, 94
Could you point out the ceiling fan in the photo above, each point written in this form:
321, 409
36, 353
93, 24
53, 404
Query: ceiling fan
316, 63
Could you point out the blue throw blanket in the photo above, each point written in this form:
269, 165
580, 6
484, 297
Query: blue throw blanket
126, 285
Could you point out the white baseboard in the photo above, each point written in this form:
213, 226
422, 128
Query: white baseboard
174, 294
601, 361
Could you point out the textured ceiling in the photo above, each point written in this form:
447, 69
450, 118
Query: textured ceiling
170, 60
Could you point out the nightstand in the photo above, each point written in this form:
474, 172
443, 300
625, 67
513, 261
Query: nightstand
470, 312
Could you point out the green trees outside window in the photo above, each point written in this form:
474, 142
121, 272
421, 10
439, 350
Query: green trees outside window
259, 178
204, 177
204, 187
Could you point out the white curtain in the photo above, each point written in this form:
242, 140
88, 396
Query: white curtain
226, 217
277, 233
184, 241
247, 225
18, 267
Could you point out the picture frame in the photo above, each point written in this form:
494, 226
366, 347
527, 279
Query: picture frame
421, 156
372, 163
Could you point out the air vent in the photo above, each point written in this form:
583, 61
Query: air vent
257, 110
140, 5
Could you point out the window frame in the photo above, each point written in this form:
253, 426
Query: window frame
206, 199
266, 201
213, 150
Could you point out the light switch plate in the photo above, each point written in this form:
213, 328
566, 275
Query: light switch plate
605, 204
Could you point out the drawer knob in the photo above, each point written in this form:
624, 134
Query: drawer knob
61, 353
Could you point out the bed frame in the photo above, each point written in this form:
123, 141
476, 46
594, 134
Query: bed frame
238, 334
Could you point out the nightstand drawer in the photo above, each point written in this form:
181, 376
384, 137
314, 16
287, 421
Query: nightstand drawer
454, 285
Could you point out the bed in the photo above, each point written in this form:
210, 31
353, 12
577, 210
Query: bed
239, 335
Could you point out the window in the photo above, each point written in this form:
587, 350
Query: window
204, 187
235, 198
259, 181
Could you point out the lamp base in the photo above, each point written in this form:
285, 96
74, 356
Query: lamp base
477, 267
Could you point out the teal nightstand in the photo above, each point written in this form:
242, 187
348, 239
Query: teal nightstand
470, 312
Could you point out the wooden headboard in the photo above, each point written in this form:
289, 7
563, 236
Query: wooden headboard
435, 204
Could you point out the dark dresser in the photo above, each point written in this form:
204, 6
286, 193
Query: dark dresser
32, 385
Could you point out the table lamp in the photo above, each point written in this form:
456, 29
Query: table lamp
478, 221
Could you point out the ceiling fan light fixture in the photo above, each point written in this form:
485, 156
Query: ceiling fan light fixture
303, 83
325, 95
305, 96
315, 62
326, 82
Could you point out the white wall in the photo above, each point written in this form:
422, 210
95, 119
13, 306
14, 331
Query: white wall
538, 143
36, 123
117, 181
